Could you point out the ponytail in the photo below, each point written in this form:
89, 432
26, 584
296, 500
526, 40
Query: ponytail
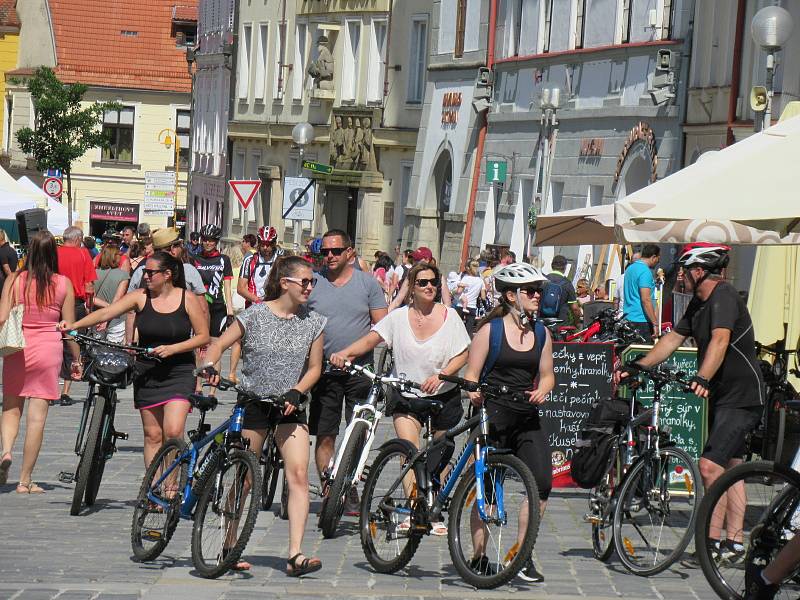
285, 266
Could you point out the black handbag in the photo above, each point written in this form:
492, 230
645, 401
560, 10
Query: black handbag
110, 366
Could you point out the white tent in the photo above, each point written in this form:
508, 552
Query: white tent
57, 215
14, 197
743, 194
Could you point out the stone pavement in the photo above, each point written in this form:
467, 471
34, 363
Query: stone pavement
45, 553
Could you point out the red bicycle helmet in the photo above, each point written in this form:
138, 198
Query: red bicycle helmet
267, 234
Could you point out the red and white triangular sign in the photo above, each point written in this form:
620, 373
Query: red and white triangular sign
245, 190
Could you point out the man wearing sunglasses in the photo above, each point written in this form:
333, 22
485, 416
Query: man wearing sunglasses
352, 301
256, 267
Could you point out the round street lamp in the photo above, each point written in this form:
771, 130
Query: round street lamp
303, 134
771, 27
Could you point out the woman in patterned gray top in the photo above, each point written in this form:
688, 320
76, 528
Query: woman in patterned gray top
281, 355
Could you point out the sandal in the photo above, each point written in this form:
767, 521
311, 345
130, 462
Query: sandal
306, 566
5, 466
404, 525
35, 489
438, 528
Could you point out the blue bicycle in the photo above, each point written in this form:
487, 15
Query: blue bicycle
214, 481
494, 512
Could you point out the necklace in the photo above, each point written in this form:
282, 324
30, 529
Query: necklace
419, 317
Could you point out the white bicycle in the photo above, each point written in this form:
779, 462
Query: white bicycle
347, 466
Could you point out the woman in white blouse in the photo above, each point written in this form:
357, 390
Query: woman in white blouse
427, 338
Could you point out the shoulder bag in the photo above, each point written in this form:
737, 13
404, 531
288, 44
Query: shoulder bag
11, 337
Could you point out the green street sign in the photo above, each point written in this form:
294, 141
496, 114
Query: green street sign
317, 167
496, 171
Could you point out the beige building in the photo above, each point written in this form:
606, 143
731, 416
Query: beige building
141, 68
362, 89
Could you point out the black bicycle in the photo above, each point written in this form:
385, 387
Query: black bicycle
109, 367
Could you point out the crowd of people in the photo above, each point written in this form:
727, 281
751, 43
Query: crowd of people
308, 314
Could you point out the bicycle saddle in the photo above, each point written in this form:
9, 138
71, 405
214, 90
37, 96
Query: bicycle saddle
423, 406
202, 402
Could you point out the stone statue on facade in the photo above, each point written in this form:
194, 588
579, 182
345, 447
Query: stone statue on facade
351, 144
321, 70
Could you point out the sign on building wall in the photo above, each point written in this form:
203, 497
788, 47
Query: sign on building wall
114, 211
496, 171
159, 193
451, 103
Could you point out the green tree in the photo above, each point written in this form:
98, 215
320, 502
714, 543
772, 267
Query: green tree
65, 129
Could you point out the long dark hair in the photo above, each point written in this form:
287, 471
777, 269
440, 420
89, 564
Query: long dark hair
412, 278
41, 265
165, 260
286, 266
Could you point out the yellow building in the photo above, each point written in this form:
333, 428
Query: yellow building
130, 62
9, 50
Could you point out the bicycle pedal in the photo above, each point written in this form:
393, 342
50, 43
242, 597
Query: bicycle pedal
592, 519
315, 490
120, 435
66, 477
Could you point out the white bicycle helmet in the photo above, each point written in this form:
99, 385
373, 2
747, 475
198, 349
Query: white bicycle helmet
516, 275
711, 257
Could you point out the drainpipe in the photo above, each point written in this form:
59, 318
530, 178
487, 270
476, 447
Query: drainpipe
736, 74
386, 63
476, 170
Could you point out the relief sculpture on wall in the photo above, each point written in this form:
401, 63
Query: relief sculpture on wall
351, 142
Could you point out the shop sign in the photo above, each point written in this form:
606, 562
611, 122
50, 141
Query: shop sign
591, 147
451, 103
159, 193
114, 211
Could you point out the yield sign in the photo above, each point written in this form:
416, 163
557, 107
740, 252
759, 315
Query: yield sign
245, 190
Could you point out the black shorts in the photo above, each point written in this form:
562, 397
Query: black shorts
523, 434
448, 417
727, 433
218, 314
325, 412
260, 415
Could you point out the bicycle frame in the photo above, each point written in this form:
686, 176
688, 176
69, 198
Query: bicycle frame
369, 414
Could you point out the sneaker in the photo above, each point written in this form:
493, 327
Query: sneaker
352, 505
66, 400
690, 560
482, 566
730, 552
755, 586
529, 573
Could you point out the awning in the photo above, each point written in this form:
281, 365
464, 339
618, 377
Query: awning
590, 225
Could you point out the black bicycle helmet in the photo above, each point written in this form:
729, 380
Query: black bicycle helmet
210, 231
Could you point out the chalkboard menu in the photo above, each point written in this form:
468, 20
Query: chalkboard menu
683, 412
583, 376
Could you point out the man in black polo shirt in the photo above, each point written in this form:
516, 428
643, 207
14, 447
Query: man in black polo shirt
8, 258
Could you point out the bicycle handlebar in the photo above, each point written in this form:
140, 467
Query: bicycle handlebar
661, 374
484, 388
92, 341
400, 383
227, 384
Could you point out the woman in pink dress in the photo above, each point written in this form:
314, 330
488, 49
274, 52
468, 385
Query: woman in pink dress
33, 372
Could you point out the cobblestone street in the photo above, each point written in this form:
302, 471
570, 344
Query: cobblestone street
46, 553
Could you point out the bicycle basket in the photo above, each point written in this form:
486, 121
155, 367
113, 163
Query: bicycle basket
109, 366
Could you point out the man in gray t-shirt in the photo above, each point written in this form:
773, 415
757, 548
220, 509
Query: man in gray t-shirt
352, 301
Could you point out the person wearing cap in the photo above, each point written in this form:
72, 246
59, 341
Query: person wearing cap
194, 247
423, 254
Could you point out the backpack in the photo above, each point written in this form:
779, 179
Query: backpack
550, 303
496, 333
406, 269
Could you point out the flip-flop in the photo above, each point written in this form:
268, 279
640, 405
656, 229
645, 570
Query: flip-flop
35, 489
5, 466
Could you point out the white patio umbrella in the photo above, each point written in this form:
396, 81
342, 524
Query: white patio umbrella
744, 194
589, 225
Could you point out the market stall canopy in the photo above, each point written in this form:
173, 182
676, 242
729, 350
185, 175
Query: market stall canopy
589, 225
57, 215
744, 194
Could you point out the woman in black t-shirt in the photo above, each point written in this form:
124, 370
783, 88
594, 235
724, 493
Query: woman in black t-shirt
523, 364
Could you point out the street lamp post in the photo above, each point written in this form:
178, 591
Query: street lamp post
168, 143
549, 102
770, 28
302, 135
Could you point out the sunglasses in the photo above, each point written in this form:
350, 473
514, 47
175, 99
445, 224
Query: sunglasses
422, 283
334, 251
530, 291
303, 283
151, 272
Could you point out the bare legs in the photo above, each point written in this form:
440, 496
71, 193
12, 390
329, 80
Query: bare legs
9, 429
162, 423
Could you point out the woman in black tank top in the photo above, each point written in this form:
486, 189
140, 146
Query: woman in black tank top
174, 324
524, 364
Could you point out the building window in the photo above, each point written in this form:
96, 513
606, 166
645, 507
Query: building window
352, 51
243, 73
548, 25
185, 33
299, 69
625, 21
278, 73
7, 114
182, 130
417, 58
580, 12
667, 19
262, 47
377, 61
118, 129
388, 213
461, 26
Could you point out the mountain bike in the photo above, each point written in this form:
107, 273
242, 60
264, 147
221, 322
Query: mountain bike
347, 466
214, 481
408, 489
109, 367
647, 503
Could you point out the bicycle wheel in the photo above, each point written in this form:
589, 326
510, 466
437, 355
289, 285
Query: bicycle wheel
105, 446
271, 470
226, 513
656, 510
389, 531
333, 505
92, 448
755, 504
489, 553
601, 501
153, 525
